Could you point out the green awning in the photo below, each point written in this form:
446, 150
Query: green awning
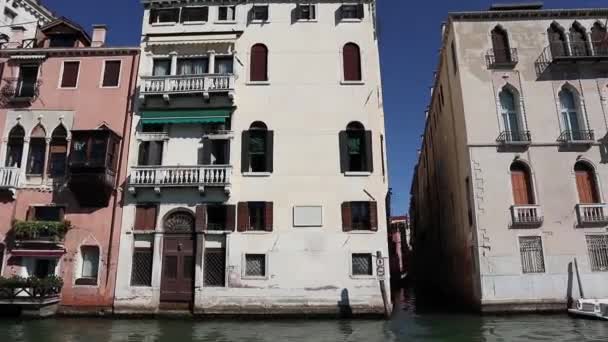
186, 116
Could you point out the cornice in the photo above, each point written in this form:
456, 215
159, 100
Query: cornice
37, 10
167, 3
88, 51
531, 14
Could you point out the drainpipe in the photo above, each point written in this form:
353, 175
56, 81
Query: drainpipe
125, 141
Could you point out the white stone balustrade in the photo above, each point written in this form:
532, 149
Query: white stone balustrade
180, 176
589, 214
167, 85
526, 215
9, 178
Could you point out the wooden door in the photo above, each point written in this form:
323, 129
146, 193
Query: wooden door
522, 190
177, 280
585, 184
500, 44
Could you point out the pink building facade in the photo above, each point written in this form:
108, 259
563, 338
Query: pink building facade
65, 118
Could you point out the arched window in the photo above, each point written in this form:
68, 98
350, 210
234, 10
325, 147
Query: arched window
259, 63
510, 115
36, 156
14, 148
351, 62
521, 181
578, 41
500, 45
557, 41
573, 125
179, 222
257, 150
90, 265
586, 183
599, 35
356, 149
58, 152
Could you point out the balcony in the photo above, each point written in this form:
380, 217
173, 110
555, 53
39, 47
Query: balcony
580, 137
519, 138
187, 85
28, 232
200, 177
502, 59
526, 216
19, 90
591, 214
25, 44
36, 297
572, 52
9, 179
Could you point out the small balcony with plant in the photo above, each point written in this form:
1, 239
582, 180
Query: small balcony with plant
51, 232
31, 296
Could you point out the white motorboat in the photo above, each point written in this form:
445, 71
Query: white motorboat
591, 308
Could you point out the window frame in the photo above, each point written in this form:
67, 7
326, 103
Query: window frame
163, 23
367, 207
18, 92
253, 12
80, 269
591, 264
312, 9
361, 276
192, 22
343, 80
61, 73
249, 78
164, 58
226, 21
352, 20
150, 250
542, 245
103, 73
244, 274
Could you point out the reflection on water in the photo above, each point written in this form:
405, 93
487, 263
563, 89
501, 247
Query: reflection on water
405, 325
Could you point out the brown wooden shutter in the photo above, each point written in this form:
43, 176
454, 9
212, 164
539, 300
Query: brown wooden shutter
69, 78
145, 217
347, 221
369, 155
245, 152
201, 217
259, 63
352, 62
585, 185
243, 217
31, 214
151, 215
230, 217
520, 187
344, 159
111, 74
140, 218
268, 216
373, 216
500, 44
269, 151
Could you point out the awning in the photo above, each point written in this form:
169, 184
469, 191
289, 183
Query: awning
55, 253
27, 58
218, 115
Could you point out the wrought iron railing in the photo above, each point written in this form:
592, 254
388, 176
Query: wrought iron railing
568, 136
180, 176
591, 214
526, 215
187, 84
16, 88
32, 288
572, 50
502, 58
514, 137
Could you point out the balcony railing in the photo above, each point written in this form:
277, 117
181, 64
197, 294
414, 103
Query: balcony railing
180, 176
502, 58
187, 84
526, 216
577, 137
556, 52
18, 289
15, 89
514, 138
591, 214
9, 177
25, 44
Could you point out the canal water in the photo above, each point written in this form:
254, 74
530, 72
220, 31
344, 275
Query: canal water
405, 325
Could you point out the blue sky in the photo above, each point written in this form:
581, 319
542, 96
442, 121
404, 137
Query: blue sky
409, 44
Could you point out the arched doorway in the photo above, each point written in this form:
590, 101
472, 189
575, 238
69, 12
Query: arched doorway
521, 182
586, 184
177, 279
500, 44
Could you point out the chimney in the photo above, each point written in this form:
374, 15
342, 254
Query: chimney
99, 35
16, 40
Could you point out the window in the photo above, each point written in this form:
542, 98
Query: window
150, 153
510, 115
531, 250
454, 56
597, 245
192, 14
44, 267
111, 74
223, 64
257, 150
216, 217
161, 67
578, 41
62, 40
599, 35
500, 45
469, 200
14, 147
306, 12
164, 15
259, 13
557, 41
255, 265
1, 257
141, 268
42, 213
255, 216
356, 149
352, 11
93, 148
586, 184
259, 63
27, 84
382, 154
570, 115
192, 66
351, 62
9, 15
37, 152
69, 78
359, 216
362, 264
214, 268
145, 217
58, 152
226, 13
521, 181
90, 265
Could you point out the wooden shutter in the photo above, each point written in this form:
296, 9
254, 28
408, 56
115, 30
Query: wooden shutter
145, 217
373, 216
352, 62
69, 78
259, 63
347, 220
111, 74
230, 217
585, 184
521, 189
269, 151
268, 216
243, 217
245, 152
360, 11
500, 44
344, 162
200, 217
369, 155
31, 214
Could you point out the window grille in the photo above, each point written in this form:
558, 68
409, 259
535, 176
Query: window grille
597, 246
531, 250
255, 265
362, 264
141, 273
215, 267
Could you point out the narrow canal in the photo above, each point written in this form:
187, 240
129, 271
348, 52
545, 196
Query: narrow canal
405, 325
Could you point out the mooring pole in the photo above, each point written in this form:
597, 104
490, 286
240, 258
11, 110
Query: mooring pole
381, 272
578, 278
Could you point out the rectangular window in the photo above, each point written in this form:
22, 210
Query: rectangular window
362, 264
597, 245
44, 267
223, 64
226, 13
90, 265
352, 11
531, 250
47, 213
382, 152
193, 14
164, 15
255, 265
141, 269
454, 57
36, 157
259, 13
145, 217
69, 78
111, 74
256, 215
27, 84
360, 215
214, 274
62, 40
306, 12
58, 157
161, 67
257, 150
150, 153
216, 217
192, 66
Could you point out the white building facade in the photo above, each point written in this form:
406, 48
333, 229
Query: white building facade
26, 15
257, 173
511, 181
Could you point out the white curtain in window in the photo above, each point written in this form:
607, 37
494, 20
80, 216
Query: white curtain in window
161, 68
569, 111
192, 66
90, 262
509, 112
